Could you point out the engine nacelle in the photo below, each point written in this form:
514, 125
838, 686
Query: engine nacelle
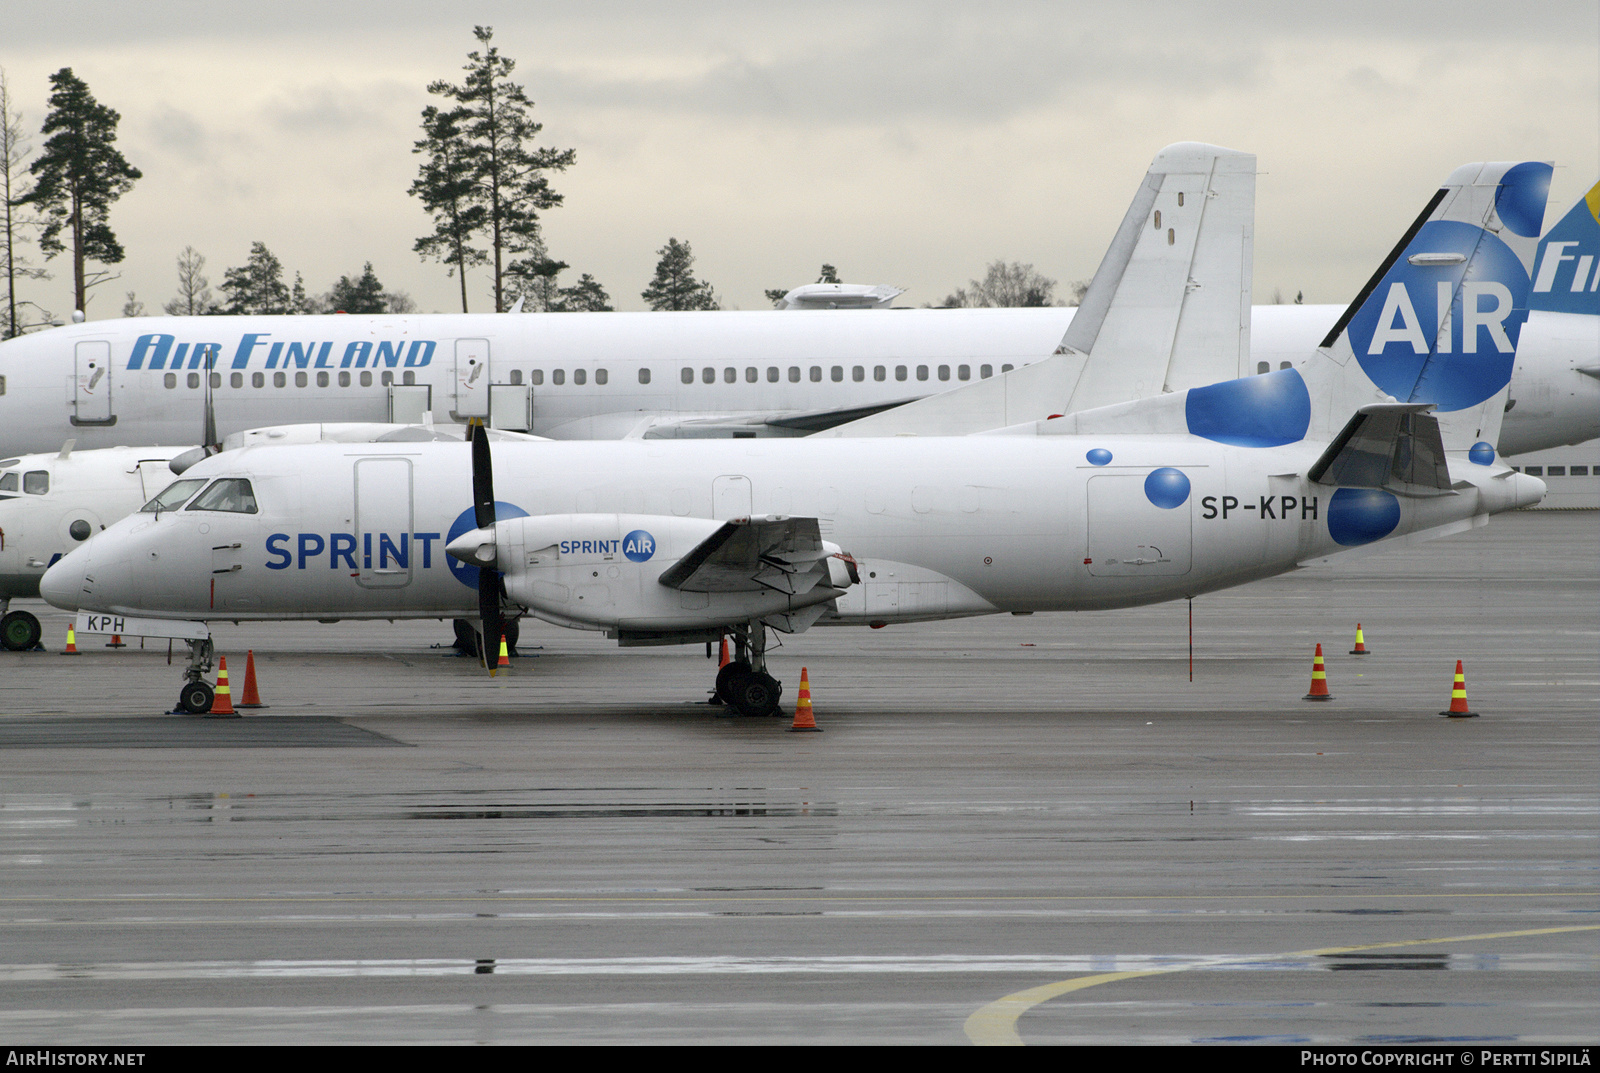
650, 574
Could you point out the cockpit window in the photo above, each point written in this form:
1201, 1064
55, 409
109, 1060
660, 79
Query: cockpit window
231, 494
36, 482
175, 496
9, 482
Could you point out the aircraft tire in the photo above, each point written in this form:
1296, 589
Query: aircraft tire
511, 631
19, 631
728, 679
466, 637
757, 694
195, 698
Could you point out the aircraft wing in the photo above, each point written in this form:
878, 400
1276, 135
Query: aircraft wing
752, 554
1395, 446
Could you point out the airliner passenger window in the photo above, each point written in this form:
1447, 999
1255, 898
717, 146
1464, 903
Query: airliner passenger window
2, 385
536, 377
730, 375
408, 378
772, 374
579, 376
236, 380
644, 375
751, 374
300, 380
1263, 367
816, 374
232, 495
944, 372
558, 376
794, 374
258, 379
963, 372
857, 373
709, 375
344, 379
322, 379
1007, 368
687, 376
601, 376
36, 482
216, 380
516, 376
985, 371
899, 372
174, 497
879, 373
194, 380
170, 380
922, 372
366, 379
1285, 365
280, 380
387, 379
837, 373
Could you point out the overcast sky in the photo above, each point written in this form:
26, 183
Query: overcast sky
908, 144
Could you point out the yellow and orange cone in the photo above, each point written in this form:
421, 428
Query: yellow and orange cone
222, 701
1458, 697
1319, 680
803, 718
1361, 643
505, 654
72, 643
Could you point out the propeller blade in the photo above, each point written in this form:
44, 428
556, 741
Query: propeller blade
482, 478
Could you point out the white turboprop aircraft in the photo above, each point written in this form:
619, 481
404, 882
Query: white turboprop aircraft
734, 374
662, 543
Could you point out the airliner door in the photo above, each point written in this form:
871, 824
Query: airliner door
383, 522
472, 378
91, 393
730, 497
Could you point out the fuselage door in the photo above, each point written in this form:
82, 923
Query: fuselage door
1131, 533
91, 395
409, 403
730, 497
472, 377
383, 522
511, 407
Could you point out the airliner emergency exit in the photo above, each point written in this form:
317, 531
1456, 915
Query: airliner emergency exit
1385, 432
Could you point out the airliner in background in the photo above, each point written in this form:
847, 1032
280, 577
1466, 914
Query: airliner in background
144, 380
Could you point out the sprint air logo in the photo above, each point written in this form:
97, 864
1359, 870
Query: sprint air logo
1442, 325
161, 351
637, 547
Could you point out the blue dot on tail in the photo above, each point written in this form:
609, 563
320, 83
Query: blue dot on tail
1167, 488
1099, 457
1482, 453
1520, 199
1362, 515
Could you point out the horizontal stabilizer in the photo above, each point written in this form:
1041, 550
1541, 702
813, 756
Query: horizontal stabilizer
752, 554
1392, 446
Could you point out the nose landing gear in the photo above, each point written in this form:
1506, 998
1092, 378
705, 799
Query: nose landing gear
196, 695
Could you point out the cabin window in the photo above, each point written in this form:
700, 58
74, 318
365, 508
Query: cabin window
558, 376
300, 379
1285, 365
772, 374
922, 372
366, 379
174, 497
751, 374
879, 373
279, 380
730, 375
387, 379
794, 374
194, 380
2, 385
837, 372
8, 481
644, 375
344, 379
232, 495
708, 375
536, 377
36, 482
216, 380
687, 376
963, 372
857, 373
236, 380
985, 371
1263, 367
944, 372
170, 380
516, 377
601, 376
1007, 368
322, 379
816, 374
580, 376
258, 379
899, 372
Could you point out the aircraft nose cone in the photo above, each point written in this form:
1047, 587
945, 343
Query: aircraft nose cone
63, 584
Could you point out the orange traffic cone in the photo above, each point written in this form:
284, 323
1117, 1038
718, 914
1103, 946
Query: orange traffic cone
803, 719
505, 655
1458, 697
116, 641
222, 702
72, 642
1319, 680
723, 661
1361, 643
252, 697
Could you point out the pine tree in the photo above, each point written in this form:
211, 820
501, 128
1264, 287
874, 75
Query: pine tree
76, 178
585, 296
257, 287
674, 287
363, 295
446, 188
493, 135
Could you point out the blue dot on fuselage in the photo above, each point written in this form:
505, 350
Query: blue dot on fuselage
1167, 487
1099, 457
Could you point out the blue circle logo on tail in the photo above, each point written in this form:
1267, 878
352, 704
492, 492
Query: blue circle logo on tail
467, 521
1521, 196
1167, 487
1442, 325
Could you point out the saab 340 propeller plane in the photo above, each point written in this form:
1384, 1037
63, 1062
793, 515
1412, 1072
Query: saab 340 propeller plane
1384, 432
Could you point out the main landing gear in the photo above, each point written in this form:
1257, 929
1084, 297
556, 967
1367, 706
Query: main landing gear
743, 684
19, 631
196, 695
468, 640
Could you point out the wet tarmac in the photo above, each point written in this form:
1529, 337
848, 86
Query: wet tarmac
1032, 829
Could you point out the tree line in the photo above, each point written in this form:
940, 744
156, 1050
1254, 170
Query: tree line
483, 180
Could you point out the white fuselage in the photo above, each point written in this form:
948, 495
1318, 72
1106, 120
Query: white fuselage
940, 528
610, 375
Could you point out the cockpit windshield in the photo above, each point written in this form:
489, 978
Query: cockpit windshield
231, 494
174, 497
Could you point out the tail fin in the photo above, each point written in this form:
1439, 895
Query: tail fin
1168, 309
1567, 276
1438, 322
